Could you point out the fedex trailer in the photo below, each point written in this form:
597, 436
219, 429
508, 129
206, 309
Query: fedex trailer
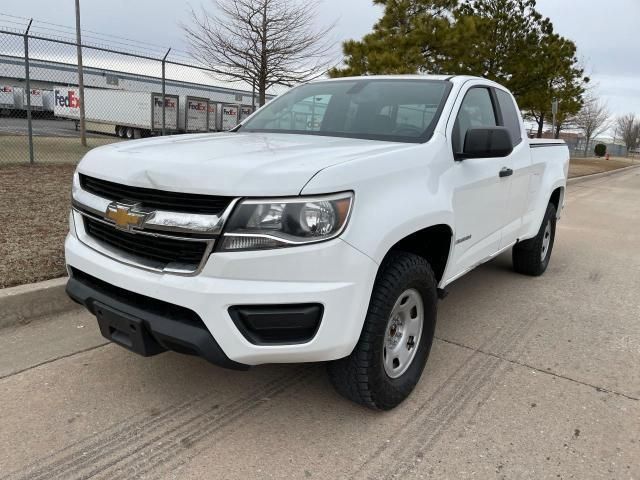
129, 114
230, 116
13, 100
139, 114
245, 112
196, 114
36, 98
6, 99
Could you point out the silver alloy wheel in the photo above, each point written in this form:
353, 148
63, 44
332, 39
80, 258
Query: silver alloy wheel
546, 241
403, 333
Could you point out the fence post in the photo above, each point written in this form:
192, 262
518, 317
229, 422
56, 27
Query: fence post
164, 101
83, 124
253, 95
28, 88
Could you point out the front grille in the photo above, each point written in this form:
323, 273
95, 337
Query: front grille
156, 199
154, 248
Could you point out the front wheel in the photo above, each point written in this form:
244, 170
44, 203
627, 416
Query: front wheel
396, 338
532, 256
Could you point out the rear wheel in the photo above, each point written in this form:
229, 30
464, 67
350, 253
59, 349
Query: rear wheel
130, 133
531, 257
396, 338
120, 131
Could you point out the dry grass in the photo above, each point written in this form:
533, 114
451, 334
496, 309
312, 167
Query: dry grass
34, 212
14, 149
587, 166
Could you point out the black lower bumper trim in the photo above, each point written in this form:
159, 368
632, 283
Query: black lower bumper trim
145, 325
278, 324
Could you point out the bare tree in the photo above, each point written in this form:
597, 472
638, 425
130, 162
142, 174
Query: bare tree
629, 127
592, 120
261, 42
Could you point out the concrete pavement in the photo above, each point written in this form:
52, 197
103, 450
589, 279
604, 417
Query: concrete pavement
528, 378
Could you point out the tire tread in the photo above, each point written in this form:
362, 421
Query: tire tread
354, 376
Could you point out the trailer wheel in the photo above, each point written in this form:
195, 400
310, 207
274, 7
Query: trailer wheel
130, 134
120, 131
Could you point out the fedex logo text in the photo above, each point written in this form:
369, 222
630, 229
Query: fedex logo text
168, 102
201, 107
6, 89
229, 111
70, 100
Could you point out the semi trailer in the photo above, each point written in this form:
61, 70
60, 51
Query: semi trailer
13, 100
139, 114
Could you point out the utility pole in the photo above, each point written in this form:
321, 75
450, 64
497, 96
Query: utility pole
83, 131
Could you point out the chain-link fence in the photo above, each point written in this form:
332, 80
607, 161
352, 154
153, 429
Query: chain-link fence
40, 142
123, 98
579, 148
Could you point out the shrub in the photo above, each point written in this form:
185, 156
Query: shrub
600, 150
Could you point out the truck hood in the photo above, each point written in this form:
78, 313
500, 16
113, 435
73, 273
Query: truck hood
233, 164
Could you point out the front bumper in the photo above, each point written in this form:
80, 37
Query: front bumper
143, 325
332, 274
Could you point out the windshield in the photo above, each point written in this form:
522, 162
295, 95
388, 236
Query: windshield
383, 109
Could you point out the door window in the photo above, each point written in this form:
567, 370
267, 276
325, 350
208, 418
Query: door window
476, 111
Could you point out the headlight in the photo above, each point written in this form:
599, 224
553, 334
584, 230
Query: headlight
286, 222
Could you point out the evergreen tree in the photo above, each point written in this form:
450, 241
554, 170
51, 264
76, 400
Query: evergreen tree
409, 38
507, 41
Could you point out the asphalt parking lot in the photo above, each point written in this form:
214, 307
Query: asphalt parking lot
528, 378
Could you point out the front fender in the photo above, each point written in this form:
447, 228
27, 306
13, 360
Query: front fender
395, 195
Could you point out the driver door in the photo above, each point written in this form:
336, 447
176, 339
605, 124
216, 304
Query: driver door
480, 194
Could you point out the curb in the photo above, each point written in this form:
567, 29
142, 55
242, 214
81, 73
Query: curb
24, 303
594, 176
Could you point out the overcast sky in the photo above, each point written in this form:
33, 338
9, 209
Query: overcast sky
606, 32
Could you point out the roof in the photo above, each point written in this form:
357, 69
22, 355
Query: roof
386, 77
141, 76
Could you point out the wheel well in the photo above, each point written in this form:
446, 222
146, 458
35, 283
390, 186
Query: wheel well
432, 243
556, 196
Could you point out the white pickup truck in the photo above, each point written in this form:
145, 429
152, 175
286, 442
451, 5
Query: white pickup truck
323, 228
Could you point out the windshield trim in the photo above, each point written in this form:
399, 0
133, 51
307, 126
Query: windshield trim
425, 137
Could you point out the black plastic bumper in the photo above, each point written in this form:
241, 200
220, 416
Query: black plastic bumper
145, 325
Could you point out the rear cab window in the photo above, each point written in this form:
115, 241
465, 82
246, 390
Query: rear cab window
510, 115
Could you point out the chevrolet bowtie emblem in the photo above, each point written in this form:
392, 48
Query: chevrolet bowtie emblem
126, 216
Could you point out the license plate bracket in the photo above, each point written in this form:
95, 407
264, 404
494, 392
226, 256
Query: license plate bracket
126, 330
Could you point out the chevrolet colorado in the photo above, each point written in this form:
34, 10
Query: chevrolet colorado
323, 228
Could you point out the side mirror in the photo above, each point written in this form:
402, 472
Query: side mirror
486, 142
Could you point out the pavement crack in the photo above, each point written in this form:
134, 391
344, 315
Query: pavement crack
546, 372
52, 360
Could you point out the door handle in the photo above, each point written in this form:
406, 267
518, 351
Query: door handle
505, 172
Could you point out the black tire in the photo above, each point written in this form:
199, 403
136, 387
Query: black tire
361, 377
532, 256
130, 133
